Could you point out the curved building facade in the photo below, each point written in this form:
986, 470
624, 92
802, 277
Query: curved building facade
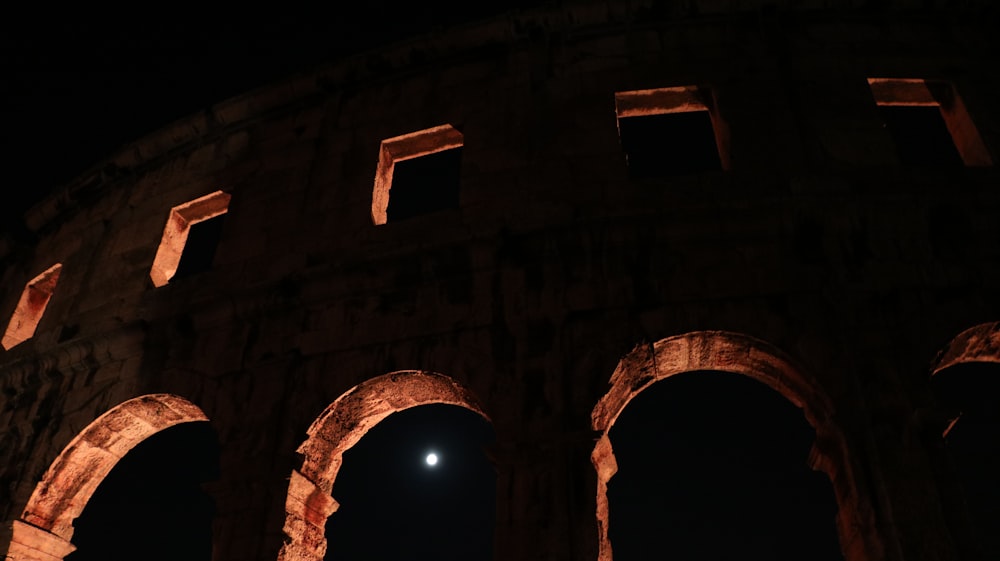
535, 218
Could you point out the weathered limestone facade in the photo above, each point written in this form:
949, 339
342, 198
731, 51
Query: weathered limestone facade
814, 262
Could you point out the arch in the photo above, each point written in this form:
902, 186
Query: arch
958, 418
336, 430
980, 343
738, 354
43, 533
977, 344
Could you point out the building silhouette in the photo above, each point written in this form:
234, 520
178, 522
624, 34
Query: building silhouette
535, 218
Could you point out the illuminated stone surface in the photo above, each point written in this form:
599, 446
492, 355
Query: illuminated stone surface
812, 262
31, 306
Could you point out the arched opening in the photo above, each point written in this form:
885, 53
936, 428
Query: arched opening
152, 504
735, 354
337, 430
966, 382
714, 466
422, 477
46, 526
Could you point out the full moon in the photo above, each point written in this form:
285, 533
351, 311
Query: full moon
431, 459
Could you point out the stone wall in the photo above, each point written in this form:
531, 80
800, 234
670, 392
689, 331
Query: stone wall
814, 242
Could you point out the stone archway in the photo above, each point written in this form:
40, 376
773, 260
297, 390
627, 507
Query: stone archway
964, 381
980, 343
337, 429
738, 354
977, 344
43, 533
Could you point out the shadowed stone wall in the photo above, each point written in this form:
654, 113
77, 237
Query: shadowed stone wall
554, 267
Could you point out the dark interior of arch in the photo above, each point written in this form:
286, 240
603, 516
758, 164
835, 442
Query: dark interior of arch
394, 507
713, 466
152, 505
972, 390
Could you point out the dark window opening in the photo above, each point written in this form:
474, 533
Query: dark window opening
713, 466
395, 506
199, 250
973, 442
152, 506
669, 144
425, 184
921, 136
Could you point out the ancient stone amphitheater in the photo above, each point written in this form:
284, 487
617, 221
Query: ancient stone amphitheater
619, 192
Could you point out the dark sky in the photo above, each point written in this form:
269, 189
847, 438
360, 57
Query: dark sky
76, 86
152, 501
394, 506
713, 466
974, 443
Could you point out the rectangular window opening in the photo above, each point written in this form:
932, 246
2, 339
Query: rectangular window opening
929, 123
199, 251
192, 232
668, 132
30, 308
418, 173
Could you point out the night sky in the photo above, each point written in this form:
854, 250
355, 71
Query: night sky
152, 505
712, 467
77, 85
394, 506
970, 391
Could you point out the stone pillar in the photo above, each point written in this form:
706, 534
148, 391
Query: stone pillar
306, 510
30, 543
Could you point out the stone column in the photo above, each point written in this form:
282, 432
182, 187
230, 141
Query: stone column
30, 543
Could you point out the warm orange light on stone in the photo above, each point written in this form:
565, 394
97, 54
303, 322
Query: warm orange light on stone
31, 306
980, 343
678, 99
46, 526
175, 233
659, 101
925, 93
738, 354
407, 147
336, 430
29, 543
